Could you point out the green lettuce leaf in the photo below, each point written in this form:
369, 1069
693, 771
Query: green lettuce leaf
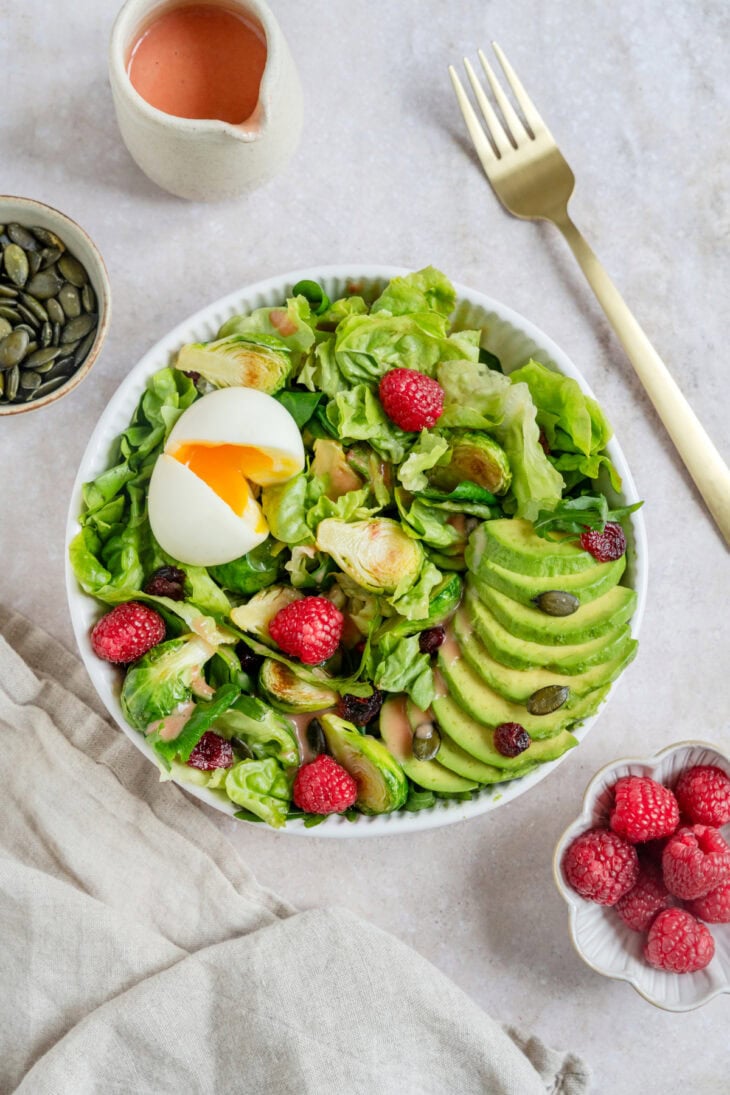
426, 290
426, 453
397, 665
291, 325
357, 415
261, 787
285, 507
366, 347
414, 603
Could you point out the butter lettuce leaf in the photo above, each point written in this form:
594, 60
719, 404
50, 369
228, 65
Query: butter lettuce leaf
426, 290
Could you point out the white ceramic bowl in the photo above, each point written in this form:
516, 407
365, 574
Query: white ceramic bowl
600, 937
511, 337
27, 211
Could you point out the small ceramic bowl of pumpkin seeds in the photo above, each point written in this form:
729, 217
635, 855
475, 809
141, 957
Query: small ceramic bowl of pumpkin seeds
54, 304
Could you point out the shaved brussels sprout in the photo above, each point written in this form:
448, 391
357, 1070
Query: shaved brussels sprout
376, 553
381, 783
163, 679
473, 458
256, 615
261, 787
284, 689
238, 361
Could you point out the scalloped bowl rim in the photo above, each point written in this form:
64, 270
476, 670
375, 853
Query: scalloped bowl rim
575, 903
445, 812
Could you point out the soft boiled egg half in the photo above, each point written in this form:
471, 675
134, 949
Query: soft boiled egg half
201, 506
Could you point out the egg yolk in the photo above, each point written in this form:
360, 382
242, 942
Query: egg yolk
227, 470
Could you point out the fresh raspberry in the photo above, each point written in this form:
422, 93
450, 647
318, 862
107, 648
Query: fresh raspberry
607, 545
127, 632
714, 907
309, 629
601, 866
703, 794
643, 809
166, 582
678, 943
639, 906
695, 860
324, 787
431, 639
212, 751
360, 710
511, 739
411, 400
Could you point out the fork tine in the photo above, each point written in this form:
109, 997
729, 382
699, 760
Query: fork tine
528, 107
494, 126
485, 152
514, 123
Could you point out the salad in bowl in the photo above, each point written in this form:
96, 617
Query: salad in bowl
347, 563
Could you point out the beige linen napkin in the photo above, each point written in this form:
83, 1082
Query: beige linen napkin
139, 955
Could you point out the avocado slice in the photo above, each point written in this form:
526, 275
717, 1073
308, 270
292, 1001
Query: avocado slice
452, 756
518, 685
478, 740
523, 654
397, 734
589, 621
586, 585
486, 706
381, 782
512, 543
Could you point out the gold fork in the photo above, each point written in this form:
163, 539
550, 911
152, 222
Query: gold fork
531, 178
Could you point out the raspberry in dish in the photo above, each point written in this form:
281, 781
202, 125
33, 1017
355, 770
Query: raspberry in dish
324, 787
410, 399
127, 632
648, 897
643, 809
714, 907
601, 866
703, 794
695, 861
309, 629
678, 943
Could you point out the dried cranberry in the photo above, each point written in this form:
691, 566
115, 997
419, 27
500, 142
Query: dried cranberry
360, 710
212, 751
166, 582
191, 373
250, 662
544, 443
607, 545
511, 739
431, 639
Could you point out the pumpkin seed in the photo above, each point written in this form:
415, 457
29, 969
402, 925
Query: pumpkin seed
34, 262
35, 306
77, 328
26, 327
56, 334
8, 291
43, 369
316, 739
46, 334
16, 264
72, 270
30, 349
12, 380
5, 327
45, 284
29, 380
50, 239
10, 312
28, 316
13, 349
88, 298
426, 741
22, 237
49, 255
45, 356
49, 386
83, 350
555, 602
56, 313
548, 699
68, 298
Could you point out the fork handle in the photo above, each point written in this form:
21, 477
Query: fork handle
701, 458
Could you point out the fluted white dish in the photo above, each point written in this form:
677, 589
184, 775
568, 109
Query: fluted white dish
600, 937
505, 333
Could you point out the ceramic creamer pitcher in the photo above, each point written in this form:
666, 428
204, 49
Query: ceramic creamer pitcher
199, 158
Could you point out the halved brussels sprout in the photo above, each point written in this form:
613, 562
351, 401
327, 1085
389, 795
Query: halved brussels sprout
261, 787
473, 458
253, 571
376, 553
330, 464
157, 683
237, 361
283, 689
256, 615
381, 782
